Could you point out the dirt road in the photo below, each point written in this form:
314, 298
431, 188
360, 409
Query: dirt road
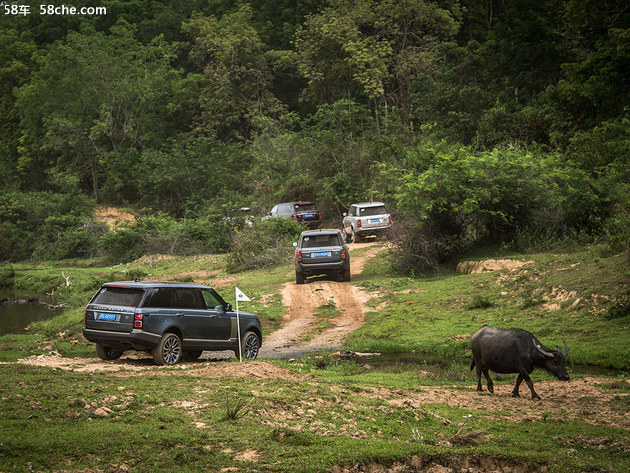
299, 333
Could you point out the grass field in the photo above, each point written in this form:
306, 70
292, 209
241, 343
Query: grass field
411, 409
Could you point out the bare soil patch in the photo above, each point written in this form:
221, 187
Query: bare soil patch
470, 267
112, 216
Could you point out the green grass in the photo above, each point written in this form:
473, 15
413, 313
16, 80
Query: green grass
572, 295
54, 420
172, 419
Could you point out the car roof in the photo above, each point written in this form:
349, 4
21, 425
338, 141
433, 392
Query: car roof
298, 202
320, 231
369, 204
152, 284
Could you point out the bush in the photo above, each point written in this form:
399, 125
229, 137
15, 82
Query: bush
162, 234
454, 200
46, 225
264, 244
7, 275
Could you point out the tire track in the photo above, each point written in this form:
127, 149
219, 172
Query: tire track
298, 333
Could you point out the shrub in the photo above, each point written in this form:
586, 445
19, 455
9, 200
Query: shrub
7, 275
46, 225
454, 200
264, 244
162, 234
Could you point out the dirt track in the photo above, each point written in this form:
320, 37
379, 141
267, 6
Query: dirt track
297, 334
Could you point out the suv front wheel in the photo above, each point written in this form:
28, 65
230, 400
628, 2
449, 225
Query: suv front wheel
168, 351
250, 344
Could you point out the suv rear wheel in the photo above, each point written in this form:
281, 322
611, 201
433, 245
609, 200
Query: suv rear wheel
299, 277
168, 351
106, 353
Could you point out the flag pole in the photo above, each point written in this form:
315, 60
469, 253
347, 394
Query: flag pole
238, 332
239, 297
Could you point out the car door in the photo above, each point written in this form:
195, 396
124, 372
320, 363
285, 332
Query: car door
202, 322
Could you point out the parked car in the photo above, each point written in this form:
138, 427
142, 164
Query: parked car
244, 213
299, 211
169, 320
321, 252
365, 219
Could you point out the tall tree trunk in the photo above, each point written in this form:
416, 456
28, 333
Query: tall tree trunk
94, 180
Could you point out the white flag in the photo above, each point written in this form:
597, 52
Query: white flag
240, 296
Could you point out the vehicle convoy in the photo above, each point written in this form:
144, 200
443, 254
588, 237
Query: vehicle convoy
305, 212
365, 219
514, 351
321, 252
169, 320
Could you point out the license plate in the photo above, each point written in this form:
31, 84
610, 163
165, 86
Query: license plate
321, 254
308, 216
106, 316
375, 220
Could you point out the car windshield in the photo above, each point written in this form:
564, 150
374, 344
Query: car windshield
368, 211
317, 241
304, 206
124, 296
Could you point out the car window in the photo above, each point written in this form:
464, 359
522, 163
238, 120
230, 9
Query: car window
189, 298
317, 241
125, 296
305, 206
212, 302
367, 211
285, 209
161, 297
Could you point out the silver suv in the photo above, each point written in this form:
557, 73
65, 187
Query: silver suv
169, 320
365, 219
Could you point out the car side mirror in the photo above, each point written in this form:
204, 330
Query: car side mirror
295, 244
345, 214
228, 307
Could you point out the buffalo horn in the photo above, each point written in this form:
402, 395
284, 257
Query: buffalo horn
546, 353
566, 349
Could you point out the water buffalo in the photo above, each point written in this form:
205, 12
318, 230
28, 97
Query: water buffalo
514, 351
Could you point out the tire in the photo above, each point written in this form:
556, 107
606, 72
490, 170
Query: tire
191, 355
299, 277
250, 345
168, 351
355, 237
346, 274
106, 353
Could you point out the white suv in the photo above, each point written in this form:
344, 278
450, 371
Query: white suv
365, 219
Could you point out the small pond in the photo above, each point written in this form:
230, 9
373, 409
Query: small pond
16, 312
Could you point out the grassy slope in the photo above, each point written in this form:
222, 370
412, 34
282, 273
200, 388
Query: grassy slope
556, 297
314, 425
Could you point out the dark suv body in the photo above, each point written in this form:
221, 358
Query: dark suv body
321, 252
299, 211
169, 320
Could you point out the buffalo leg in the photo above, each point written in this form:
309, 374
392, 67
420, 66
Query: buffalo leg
488, 379
528, 380
531, 387
519, 379
479, 388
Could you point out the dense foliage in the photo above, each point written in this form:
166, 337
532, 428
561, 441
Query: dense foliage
495, 122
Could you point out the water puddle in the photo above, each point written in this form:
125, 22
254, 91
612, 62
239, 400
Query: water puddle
18, 310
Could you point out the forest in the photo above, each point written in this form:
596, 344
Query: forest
504, 123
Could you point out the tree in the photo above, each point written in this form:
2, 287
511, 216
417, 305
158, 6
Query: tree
93, 104
237, 74
370, 50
